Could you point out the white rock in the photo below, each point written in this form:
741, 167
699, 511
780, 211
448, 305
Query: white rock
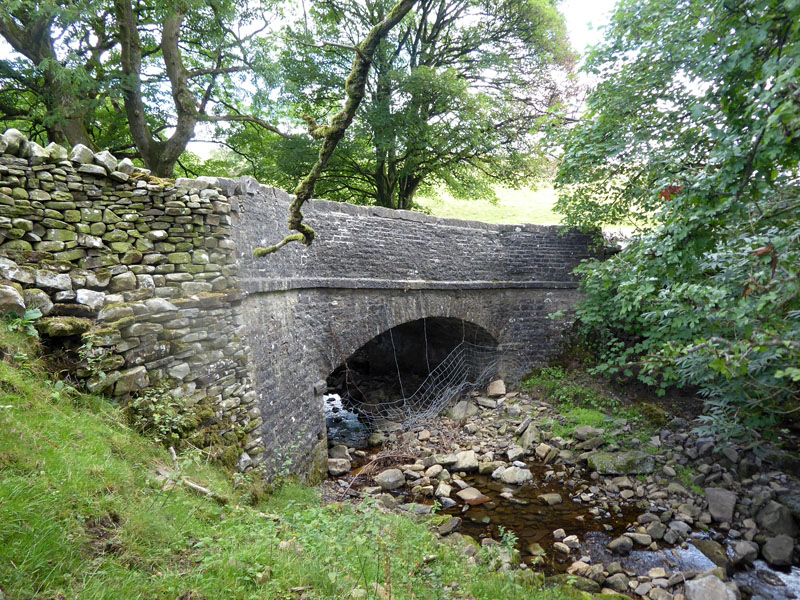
81, 154
106, 160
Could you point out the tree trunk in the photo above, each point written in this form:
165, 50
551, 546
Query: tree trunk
407, 188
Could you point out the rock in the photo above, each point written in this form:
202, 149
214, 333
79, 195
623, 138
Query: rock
530, 437
11, 301
35, 298
776, 519
642, 539
621, 463
515, 476
15, 140
515, 453
561, 548
81, 155
708, 588
452, 524
131, 380
463, 410
106, 160
38, 155
443, 490
496, 388
50, 280
550, 499
339, 451
559, 534
466, 461
472, 496
586, 432
621, 545
721, 503
745, 552
714, 552
56, 152
777, 551
125, 166
390, 479
486, 402
583, 584
94, 300
63, 326
617, 582
572, 542
338, 466
378, 438
578, 568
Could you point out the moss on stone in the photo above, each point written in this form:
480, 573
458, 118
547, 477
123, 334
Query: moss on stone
63, 326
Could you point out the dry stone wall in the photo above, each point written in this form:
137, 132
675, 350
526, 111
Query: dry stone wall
138, 275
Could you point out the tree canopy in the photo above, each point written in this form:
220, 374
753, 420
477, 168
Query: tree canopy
134, 76
458, 93
695, 127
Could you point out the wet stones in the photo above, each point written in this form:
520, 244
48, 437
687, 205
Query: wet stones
708, 588
777, 551
621, 545
550, 499
338, 466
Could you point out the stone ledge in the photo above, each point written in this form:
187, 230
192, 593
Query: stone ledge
280, 285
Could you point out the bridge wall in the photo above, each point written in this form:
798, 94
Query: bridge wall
370, 269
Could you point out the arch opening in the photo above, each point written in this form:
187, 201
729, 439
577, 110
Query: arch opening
406, 375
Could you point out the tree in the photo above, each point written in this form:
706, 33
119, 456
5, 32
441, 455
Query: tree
695, 126
150, 71
456, 97
332, 133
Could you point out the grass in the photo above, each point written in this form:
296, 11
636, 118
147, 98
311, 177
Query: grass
581, 401
83, 515
513, 206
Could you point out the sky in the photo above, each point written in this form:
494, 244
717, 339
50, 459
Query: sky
585, 19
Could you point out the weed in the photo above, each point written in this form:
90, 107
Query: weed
24, 323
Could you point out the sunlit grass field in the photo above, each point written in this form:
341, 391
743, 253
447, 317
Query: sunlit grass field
513, 206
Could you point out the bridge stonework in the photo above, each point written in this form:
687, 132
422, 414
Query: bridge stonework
158, 279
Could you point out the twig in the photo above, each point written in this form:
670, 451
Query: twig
191, 484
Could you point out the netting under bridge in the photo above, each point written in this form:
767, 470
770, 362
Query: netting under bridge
467, 367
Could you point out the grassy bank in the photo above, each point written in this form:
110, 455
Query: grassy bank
84, 514
513, 206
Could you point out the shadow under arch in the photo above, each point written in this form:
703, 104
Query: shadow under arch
407, 374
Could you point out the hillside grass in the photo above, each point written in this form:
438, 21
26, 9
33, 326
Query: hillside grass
83, 515
513, 206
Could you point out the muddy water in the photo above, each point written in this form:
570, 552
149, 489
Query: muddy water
534, 522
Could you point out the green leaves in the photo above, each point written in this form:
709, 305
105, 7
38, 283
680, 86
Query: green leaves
701, 142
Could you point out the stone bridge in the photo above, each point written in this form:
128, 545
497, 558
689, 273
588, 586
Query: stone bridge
372, 269
157, 280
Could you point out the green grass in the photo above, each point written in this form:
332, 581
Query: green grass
513, 206
82, 515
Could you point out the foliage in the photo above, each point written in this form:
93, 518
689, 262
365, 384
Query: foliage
136, 78
695, 126
82, 515
24, 323
459, 90
157, 413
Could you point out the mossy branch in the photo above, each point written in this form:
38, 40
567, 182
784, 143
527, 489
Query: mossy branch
331, 134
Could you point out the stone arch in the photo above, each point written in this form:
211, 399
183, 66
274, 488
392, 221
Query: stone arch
379, 318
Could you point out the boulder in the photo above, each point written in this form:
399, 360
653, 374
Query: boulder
745, 552
632, 462
621, 545
106, 160
339, 451
776, 519
530, 438
777, 551
515, 476
472, 496
390, 479
11, 301
586, 432
81, 154
708, 588
721, 503
496, 388
338, 466
15, 140
550, 499
452, 524
463, 410
466, 461
714, 552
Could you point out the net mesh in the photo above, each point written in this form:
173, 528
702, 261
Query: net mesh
467, 367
